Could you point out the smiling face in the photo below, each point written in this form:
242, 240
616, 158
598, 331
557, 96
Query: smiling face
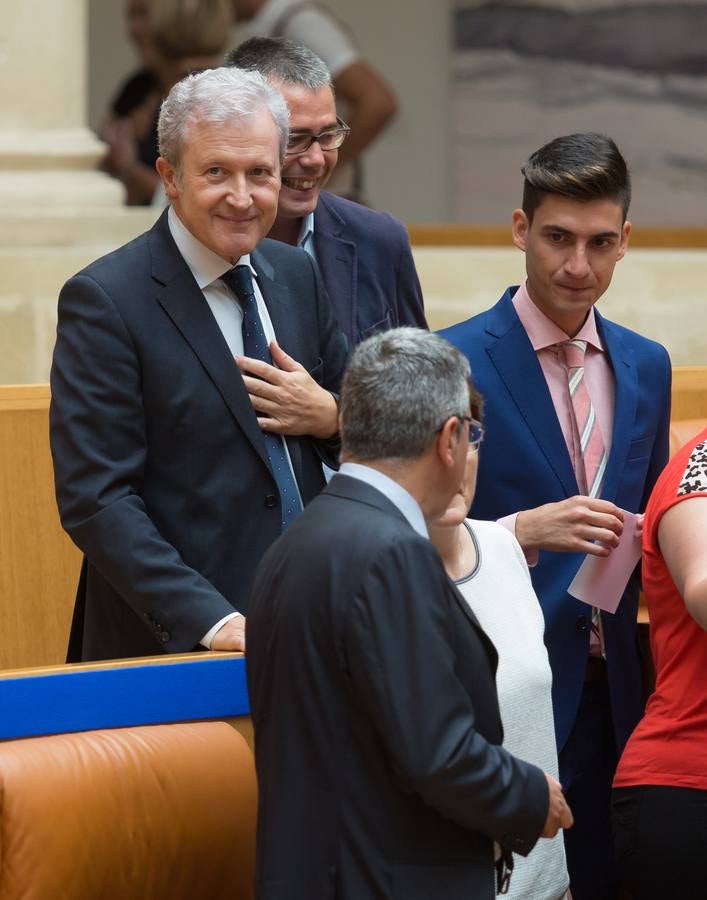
305, 174
571, 247
225, 191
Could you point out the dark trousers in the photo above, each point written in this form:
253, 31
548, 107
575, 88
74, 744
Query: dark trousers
660, 836
587, 765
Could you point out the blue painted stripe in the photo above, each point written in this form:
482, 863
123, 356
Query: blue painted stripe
113, 698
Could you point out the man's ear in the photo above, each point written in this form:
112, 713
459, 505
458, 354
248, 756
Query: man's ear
447, 441
623, 243
168, 174
520, 226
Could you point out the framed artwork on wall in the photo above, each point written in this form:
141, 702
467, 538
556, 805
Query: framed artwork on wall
525, 71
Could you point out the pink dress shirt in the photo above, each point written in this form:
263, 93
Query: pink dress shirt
598, 374
599, 377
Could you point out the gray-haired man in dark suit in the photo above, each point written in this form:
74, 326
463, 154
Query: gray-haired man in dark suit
377, 728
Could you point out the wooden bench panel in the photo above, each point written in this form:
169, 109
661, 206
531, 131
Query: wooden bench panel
39, 565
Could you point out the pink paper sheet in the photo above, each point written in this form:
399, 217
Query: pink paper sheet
601, 580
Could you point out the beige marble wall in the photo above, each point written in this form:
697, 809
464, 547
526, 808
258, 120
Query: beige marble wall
659, 293
57, 213
38, 252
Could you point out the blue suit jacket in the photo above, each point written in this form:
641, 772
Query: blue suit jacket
524, 463
161, 471
367, 267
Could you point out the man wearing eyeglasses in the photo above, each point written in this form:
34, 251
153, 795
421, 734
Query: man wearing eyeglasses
363, 96
364, 256
371, 682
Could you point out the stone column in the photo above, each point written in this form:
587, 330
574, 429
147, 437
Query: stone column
57, 212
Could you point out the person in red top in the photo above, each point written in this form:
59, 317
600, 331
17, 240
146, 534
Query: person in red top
660, 786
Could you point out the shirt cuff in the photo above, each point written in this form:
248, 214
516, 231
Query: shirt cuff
209, 636
509, 522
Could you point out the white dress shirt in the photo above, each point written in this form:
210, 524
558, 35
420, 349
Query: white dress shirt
207, 268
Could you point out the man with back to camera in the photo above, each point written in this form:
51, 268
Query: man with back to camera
576, 434
364, 256
174, 470
377, 728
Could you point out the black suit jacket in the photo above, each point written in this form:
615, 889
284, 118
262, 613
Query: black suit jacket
162, 476
367, 267
377, 728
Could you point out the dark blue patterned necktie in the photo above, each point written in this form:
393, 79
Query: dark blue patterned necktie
255, 345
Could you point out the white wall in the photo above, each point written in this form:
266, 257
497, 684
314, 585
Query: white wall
407, 171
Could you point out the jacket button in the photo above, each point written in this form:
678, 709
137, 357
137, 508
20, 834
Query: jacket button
581, 623
164, 636
270, 501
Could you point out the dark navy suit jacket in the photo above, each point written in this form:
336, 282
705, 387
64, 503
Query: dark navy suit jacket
367, 267
162, 476
524, 463
377, 728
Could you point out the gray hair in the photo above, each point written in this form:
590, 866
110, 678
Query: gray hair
400, 388
287, 61
217, 96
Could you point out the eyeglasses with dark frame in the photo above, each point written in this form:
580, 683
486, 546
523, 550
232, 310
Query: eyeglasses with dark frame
476, 430
331, 139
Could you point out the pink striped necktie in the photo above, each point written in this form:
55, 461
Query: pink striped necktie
592, 452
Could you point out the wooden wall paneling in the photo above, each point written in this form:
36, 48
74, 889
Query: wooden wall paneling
38, 563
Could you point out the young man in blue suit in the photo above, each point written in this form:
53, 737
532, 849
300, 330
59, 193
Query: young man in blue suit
191, 387
364, 255
533, 469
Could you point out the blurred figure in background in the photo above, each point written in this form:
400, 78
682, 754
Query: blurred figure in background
364, 98
660, 788
173, 38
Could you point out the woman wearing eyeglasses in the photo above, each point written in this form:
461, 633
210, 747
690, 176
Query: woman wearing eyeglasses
487, 565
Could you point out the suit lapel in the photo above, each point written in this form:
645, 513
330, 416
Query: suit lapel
281, 304
337, 258
516, 363
184, 303
625, 399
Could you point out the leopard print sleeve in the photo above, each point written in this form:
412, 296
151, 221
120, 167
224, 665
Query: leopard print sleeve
694, 478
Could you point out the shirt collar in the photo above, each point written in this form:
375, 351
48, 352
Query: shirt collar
205, 265
542, 332
307, 230
396, 493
